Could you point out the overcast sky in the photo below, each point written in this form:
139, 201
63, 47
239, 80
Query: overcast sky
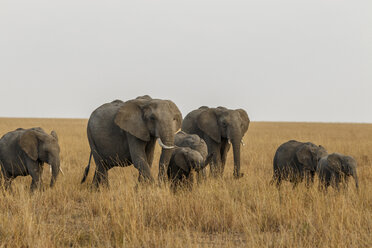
280, 60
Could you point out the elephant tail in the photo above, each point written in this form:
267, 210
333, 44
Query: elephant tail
87, 168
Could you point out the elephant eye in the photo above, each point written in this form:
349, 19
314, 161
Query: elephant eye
152, 117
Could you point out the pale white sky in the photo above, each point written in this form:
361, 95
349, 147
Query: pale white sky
281, 60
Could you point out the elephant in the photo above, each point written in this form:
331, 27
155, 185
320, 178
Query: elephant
124, 133
334, 169
219, 127
190, 155
24, 151
294, 161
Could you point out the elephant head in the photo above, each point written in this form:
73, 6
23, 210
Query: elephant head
222, 123
192, 141
188, 159
309, 154
42, 147
147, 118
343, 165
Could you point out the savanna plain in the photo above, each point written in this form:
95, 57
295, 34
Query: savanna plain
224, 212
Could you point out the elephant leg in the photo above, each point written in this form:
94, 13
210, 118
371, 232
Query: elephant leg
100, 177
35, 170
176, 180
138, 154
1, 178
189, 181
337, 183
201, 176
5, 180
326, 180
101, 172
278, 180
150, 147
216, 165
309, 177
8, 183
323, 185
214, 149
225, 147
345, 182
142, 166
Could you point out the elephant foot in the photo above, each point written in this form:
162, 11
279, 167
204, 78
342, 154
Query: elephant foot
237, 176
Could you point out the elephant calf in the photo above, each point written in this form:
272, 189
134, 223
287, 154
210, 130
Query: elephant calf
294, 161
190, 155
24, 151
335, 169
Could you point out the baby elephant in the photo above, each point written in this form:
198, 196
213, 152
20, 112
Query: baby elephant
294, 161
24, 151
335, 169
190, 155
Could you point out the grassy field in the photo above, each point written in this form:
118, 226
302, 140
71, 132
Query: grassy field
219, 213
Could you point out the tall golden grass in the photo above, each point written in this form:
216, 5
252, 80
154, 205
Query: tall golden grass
218, 213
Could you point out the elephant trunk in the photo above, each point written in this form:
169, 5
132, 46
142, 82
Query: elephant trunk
356, 180
236, 142
55, 171
199, 162
167, 139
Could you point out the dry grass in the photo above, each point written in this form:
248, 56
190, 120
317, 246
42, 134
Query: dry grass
224, 212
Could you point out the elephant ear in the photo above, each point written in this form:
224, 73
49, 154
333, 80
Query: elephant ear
54, 134
129, 118
305, 156
181, 160
176, 114
29, 144
348, 164
334, 162
207, 122
245, 120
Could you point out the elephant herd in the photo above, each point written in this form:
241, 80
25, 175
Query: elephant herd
125, 133
297, 161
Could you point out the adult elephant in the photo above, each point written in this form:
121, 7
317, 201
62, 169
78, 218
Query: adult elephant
24, 151
294, 161
335, 169
219, 127
125, 133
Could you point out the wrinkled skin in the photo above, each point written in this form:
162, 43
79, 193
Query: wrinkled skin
190, 155
218, 126
294, 161
335, 169
24, 151
124, 133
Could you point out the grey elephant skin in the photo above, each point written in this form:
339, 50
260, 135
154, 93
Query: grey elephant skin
336, 168
24, 151
124, 133
218, 127
294, 161
190, 155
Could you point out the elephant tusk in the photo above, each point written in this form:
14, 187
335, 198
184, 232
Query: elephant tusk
242, 143
229, 141
60, 169
165, 146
